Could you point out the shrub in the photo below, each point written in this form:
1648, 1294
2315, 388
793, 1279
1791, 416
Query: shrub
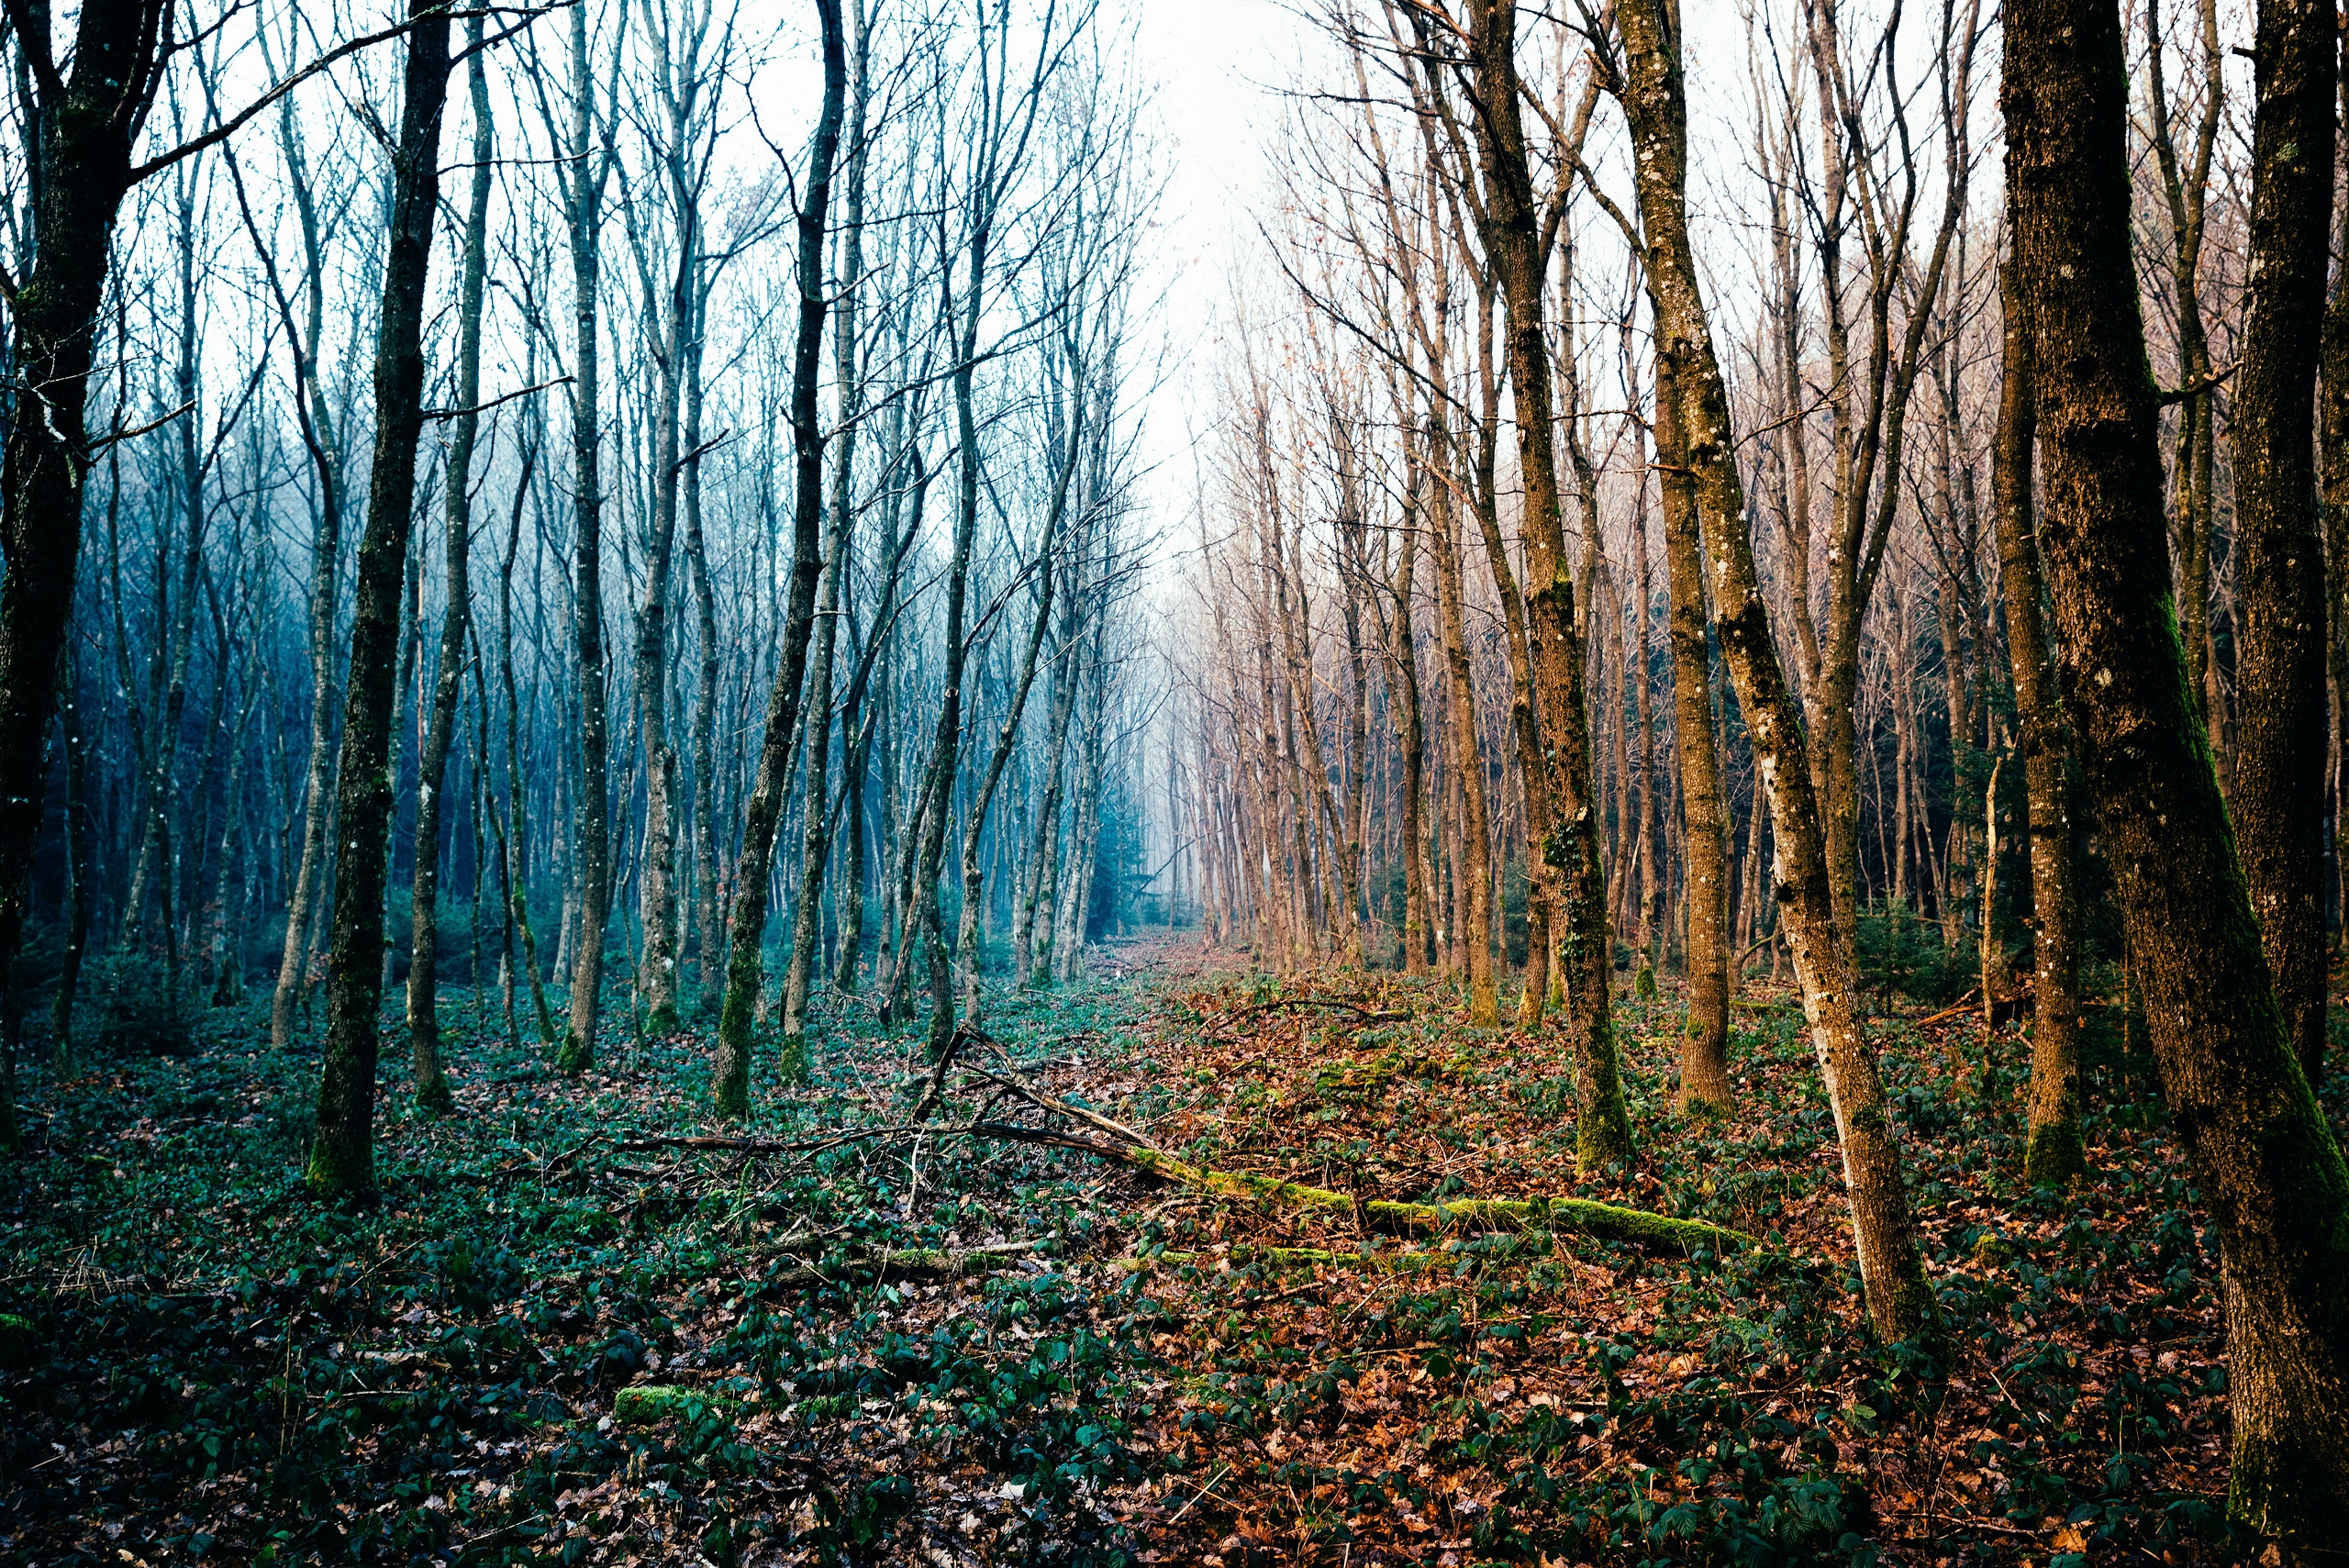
1899, 951
128, 1009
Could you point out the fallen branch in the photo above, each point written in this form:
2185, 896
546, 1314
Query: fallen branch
1964, 1003
910, 1262
764, 1145
1367, 1015
1604, 1220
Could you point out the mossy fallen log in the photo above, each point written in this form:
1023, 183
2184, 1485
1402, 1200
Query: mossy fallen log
1605, 1221
1396, 1262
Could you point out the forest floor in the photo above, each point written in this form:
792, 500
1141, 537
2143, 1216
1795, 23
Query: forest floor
557, 1339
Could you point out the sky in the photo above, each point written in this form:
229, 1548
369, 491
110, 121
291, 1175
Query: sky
1219, 64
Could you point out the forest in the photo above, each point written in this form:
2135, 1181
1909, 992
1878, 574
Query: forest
835, 782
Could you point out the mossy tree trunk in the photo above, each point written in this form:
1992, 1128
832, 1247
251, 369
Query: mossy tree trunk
2282, 731
2262, 1156
342, 1161
1652, 88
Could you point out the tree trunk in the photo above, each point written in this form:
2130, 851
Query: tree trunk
2278, 795
88, 124
423, 970
745, 967
342, 1163
1703, 1039
78, 837
1901, 1301
592, 878
1570, 849
2055, 1153
1472, 878
816, 846
2262, 1154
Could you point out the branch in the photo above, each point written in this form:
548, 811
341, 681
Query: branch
486, 408
100, 445
2193, 389
34, 41
702, 451
228, 126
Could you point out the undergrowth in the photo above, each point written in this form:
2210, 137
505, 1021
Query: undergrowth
206, 1365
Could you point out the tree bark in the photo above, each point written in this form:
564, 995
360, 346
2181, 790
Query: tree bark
1704, 1038
88, 124
2278, 795
745, 966
1892, 1269
342, 1160
592, 893
2262, 1154
1472, 878
1569, 850
2056, 1152
423, 970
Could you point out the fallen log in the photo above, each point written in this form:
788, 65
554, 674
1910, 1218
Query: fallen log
1124, 1145
1604, 1220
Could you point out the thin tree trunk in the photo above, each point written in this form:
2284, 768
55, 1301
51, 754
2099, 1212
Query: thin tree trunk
592, 873
1472, 878
80, 858
745, 967
342, 1158
423, 971
1901, 1301
816, 847
1703, 1039
2055, 1153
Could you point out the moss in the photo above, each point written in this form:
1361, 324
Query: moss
339, 1169
792, 1063
2058, 1155
1604, 1220
575, 1057
650, 1404
17, 1339
662, 1021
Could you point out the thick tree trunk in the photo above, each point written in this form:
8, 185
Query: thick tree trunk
423, 967
1901, 1301
2278, 795
88, 124
342, 1161
2262, 1156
